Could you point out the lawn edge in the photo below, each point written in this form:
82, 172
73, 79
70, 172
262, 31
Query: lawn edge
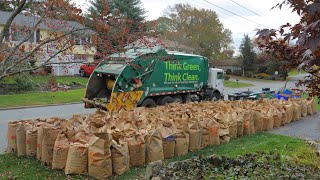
35, 106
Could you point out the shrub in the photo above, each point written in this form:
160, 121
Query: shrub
18, 84
263, 76
228, 71
237, 72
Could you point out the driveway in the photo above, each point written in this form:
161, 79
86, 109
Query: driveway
306, 128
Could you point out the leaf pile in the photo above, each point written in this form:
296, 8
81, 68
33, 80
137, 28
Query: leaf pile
259, 166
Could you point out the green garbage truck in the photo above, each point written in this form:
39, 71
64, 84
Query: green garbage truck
152, 76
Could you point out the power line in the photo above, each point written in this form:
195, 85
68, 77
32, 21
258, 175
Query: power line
245, 7
236, 14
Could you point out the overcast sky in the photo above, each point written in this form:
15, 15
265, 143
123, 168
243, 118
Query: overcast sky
262, 14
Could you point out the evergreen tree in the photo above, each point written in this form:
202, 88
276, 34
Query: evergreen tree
249, 56
126, 25
130, 9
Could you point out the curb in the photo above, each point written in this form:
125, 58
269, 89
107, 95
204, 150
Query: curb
36, 106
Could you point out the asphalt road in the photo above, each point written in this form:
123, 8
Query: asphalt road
258, 85
66, 111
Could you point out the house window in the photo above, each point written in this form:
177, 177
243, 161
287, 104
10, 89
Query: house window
81, 40
80, 58
76, 39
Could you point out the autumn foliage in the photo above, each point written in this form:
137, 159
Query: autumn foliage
304, 53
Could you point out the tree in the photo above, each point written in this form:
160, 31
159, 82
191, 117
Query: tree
198, 29
131, 9
123, 19
248, 55
305, 52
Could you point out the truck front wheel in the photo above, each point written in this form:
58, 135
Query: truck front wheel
215, 96
165, 100
148, 103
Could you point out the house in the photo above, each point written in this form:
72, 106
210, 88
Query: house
63, 63
166, 44
233, 65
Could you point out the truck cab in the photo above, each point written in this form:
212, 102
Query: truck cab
215, 83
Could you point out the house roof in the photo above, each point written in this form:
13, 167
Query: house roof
48, 24
168, 44
227, 63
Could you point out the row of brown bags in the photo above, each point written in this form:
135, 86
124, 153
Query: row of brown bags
102, 144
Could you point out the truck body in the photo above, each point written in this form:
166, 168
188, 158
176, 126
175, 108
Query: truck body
151, 77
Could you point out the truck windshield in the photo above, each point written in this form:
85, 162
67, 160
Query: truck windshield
219, 75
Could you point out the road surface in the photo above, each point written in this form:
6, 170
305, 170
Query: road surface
306, 128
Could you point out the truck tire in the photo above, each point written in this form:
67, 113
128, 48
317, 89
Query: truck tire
82, 73
165, 100
187, 98
215, 97
177, 99
148, 102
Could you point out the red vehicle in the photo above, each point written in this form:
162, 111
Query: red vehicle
87, 69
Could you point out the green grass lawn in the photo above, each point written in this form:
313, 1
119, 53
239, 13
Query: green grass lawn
296, 149
250, 79
295, 72
42, 98
234, 84
45, 79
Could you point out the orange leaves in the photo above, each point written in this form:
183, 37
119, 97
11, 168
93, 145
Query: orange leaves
22, 48
317, 53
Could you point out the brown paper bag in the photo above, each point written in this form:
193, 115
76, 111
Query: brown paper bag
39, 141
205, 137
154, 147
304, 108
258, 121
277, 117
214, 138
182, 144
60, 152
100, 161
77, 160
49, 137
120, 157
296, 112
21, 140
11, 137
195, 136
225, 139
233, 130
137, 150
167, 132
31, 141
251, 123
289, 110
